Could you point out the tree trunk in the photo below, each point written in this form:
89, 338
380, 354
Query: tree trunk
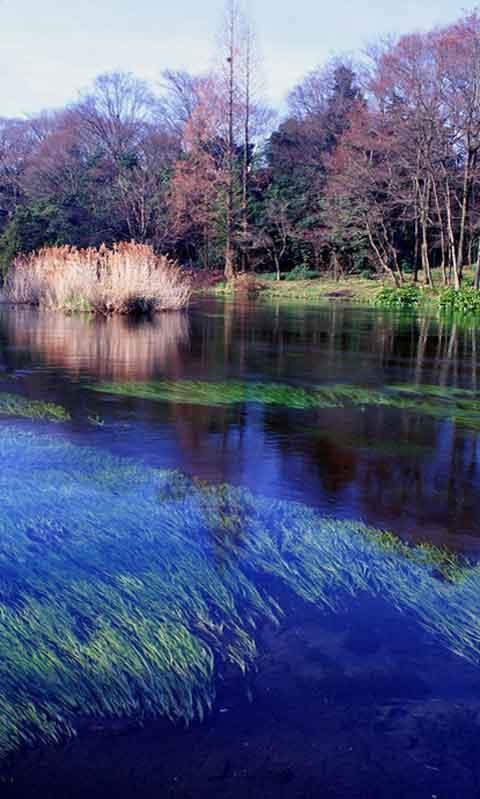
415, 252
382, 261
457, 278
442, 232
463, 216
246, 154
277, 265
476, 282
229, 252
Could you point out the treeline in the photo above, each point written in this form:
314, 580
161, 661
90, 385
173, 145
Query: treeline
373, 169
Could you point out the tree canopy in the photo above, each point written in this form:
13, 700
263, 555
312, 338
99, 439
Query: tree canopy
370, 169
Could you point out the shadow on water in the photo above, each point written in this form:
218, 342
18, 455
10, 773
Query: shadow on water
220, 574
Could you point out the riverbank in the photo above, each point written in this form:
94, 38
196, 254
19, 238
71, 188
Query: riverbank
349, 289
355, 289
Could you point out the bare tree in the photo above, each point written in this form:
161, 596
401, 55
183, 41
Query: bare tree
115, 111
229, 70
246, 120
180, 96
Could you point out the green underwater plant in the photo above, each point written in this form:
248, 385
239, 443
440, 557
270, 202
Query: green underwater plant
16, 405
127, 591
197, 392
459, 405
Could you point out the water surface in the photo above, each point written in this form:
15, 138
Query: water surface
192, 532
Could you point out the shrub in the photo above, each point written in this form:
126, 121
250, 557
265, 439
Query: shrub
128, 278
465, 300
403, 297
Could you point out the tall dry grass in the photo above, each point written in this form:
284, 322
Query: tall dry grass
127, 278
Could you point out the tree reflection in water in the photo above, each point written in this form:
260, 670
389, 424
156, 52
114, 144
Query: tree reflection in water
394, 468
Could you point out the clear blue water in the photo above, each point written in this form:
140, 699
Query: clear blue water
196, 600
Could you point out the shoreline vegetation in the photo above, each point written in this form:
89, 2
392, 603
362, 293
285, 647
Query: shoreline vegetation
128, 278
348, 289
412, 295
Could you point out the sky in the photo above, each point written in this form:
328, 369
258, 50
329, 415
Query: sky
52, 49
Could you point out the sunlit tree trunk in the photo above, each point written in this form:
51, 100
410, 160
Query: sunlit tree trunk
230, 267
246, 145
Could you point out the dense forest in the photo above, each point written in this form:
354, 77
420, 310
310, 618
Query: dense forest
373, 168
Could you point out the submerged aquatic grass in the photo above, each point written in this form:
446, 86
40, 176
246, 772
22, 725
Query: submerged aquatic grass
127, 591
197, 392
459, 405
16, 405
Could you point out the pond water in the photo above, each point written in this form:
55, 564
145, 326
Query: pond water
239, 552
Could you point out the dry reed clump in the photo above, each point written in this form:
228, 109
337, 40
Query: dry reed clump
128, 278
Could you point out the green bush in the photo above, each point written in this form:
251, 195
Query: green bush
465, 300
405, 297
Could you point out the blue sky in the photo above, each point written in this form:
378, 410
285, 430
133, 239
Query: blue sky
50, 49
